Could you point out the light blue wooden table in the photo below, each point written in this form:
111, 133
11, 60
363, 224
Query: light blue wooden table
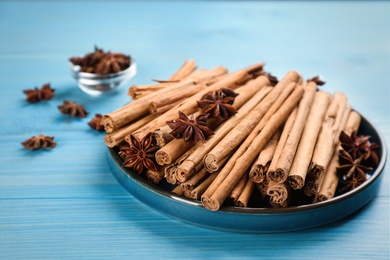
65, 203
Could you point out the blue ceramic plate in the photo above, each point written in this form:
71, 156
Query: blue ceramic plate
259, 220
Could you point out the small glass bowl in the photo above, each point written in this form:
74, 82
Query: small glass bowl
99, 84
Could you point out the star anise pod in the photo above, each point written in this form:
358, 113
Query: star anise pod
190, 129
317, 80
218, 103
73, 109
139, 154
113, 63
272, 79
36, 94
360, 146
94, 123
350, 184
351, 167
39, 142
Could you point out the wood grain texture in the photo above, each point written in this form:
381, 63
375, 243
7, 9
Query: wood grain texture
64, 203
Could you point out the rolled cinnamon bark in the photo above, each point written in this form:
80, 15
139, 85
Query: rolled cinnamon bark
247, 124
114, 138
329, 184
259, 169
195, 180
246, 159
222, 130
189, 105
246, 194
198, 191
184, 71
245, 93
285, 82
287, 156
278, 192
326, 142
140, 107
178, 190
155, 176
300, 166
170, 152
237, 190
282, 141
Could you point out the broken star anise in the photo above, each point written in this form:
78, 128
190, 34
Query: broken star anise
190, 129
73, 109
94, 123
218, 103
39, 142
139, 154
35, 95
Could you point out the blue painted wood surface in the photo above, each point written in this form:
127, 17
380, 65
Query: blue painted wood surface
64, 203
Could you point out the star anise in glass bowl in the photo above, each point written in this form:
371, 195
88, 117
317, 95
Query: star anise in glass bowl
102, 72
190, 128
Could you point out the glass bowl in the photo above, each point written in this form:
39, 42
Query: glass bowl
98, 84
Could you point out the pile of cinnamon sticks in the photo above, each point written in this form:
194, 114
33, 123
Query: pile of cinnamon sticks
284, 137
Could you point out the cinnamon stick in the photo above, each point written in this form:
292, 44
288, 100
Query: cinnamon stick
186, 69
237, 190
285, 82
198, 191
282, 141
245, 92
197, 156
116, 137
189, 105
331, 179
300, 166
246, 159
140, 107
259, 169
278, 192
246, 125
287, 156
326, 142
243, 199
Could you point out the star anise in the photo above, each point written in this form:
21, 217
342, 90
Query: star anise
39, 142
101, 62
190, 129
317, 80
350, 184
351, 167
139, 154
95, 123
73, 109
272, 79
36, 94
113, 63
218, 103
359, 146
